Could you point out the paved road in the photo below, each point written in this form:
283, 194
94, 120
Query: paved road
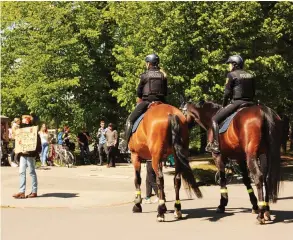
95, 203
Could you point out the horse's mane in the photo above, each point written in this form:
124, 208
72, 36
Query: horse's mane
213, 105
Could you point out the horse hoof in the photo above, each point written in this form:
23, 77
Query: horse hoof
164, 208
267, 216
161, 218
260, 221
177, 215
137, 208
220, 210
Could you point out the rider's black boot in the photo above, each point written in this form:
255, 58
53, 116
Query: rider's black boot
215, 146
128, 129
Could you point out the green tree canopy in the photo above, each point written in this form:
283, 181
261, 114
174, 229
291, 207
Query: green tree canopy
79, 62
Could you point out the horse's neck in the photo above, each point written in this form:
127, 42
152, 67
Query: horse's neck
207, 121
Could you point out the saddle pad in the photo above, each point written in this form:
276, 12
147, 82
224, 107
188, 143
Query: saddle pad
136, 123
224, 126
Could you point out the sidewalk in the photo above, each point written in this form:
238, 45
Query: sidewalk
80, 187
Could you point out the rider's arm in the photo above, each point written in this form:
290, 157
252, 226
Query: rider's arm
165, 82
228, 89
140, 86
165, 86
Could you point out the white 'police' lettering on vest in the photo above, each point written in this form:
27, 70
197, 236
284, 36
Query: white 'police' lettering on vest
153, 74
246, 75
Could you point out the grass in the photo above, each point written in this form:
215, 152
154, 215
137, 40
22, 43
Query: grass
205, 173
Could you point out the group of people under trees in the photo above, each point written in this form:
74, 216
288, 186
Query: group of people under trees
106, 140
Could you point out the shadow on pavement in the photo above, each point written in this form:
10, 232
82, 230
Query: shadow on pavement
285, 198
208, 213
280, 216
60, 195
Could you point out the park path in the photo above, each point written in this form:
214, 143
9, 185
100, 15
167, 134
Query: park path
95, 202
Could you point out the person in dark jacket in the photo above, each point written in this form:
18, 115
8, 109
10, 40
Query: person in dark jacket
152, 87
240, 88
27, 159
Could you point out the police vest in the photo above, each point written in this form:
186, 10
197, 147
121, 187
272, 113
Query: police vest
154, 83
243, 85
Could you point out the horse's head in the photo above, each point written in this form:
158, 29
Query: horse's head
201, 113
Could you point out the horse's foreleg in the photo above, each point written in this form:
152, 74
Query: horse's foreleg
223, 183
137, 182
162, 209
247, 182
258, 180
177, 206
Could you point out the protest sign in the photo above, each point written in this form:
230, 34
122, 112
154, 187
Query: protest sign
26, 139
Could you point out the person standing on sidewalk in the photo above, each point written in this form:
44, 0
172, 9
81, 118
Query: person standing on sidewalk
83, 139
14, 127
45, 144
102, 141
151, 182
111, 138
27, 159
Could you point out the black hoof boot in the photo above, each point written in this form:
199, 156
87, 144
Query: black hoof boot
137, 208
220, 209
163, 208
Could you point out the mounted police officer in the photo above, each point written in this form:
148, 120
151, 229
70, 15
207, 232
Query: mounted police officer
240, 88
152, 87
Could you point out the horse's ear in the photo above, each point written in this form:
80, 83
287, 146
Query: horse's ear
200, 103
182, 98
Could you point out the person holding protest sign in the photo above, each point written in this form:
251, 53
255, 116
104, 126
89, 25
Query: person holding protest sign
27, 146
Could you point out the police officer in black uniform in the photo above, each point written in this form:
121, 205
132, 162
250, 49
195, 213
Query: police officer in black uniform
152, 87
240, 88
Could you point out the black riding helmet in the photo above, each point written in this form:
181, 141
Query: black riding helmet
153, 59
236, 60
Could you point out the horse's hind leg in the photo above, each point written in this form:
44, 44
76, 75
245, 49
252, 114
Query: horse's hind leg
247, 182
258, 180
137, 181
177, 206
223, 183
162, 209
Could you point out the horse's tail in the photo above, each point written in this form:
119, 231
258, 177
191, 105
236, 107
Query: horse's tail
181, 158
271, 134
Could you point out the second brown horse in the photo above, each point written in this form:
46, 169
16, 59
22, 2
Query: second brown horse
163, 131
253, 139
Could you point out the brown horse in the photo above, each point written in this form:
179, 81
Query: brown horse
253, 139
163, 131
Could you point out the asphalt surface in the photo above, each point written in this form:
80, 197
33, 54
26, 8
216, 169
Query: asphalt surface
95, 202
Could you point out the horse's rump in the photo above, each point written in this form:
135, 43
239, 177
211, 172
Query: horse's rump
154, 130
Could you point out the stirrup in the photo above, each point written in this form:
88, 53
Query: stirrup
208, 147
215, 147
